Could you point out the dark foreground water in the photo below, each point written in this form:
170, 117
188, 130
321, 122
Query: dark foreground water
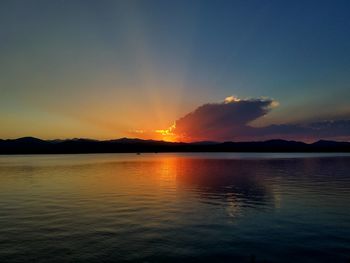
175, 208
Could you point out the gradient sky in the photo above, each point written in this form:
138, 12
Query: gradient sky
109, 69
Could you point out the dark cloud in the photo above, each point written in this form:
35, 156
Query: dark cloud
331, 129
230, 120
222, 121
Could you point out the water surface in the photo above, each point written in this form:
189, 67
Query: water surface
228, 207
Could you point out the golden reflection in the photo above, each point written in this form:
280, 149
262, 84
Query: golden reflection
161, 180
168, 171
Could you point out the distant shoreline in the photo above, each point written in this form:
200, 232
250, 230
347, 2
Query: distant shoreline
30, 145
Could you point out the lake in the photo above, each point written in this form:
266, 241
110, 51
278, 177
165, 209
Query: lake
200, 207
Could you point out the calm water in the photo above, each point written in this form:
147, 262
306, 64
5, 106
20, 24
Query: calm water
175, 208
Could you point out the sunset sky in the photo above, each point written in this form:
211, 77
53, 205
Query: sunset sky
175, 70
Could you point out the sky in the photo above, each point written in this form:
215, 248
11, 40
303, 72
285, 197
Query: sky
175, 70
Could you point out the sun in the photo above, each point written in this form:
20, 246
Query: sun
168, 134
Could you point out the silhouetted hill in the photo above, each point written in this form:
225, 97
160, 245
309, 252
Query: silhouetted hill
30, 145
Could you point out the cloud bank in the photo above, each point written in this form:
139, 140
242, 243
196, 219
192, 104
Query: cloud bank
328, 129
231, 119
227, 120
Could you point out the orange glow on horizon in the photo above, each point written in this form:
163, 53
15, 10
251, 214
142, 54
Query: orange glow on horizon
168, 134
168, 131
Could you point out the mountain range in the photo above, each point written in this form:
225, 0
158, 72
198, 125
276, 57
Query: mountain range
31, 145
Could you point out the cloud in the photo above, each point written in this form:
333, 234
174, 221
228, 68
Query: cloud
329, 129
227, 120
230, 120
